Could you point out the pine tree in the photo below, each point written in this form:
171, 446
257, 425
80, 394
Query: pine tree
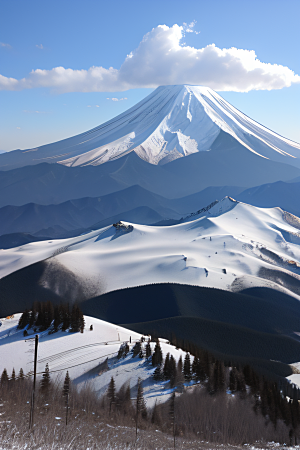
294, 410
111, 393
166, 369
199, 370
39, 314
123, 398
57, 318
206, 363
232, 380
248, 375
195, 366
156, 417
157, 374
240, 384
24, 319
81, 322
21, 375
141, 352
136, 349
157, 356
148, 349
48, 315
66, 388
140, 401
218, 377
65, 317
127, 397
172, 367
4, 377
179, 378
32, 318
120, 351
179, 364
45, 381
75, 319
187, 367
13, 375
126, 349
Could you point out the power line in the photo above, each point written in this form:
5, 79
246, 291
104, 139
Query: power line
80, 364
75, 365
61, 354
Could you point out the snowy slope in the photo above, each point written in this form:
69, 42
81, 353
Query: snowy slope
170, 123
229, 245
82, 355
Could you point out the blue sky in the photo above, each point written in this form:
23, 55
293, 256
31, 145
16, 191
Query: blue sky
77, 35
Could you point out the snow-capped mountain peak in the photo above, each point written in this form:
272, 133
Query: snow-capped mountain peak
170, 123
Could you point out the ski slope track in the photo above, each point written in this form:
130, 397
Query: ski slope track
228, 245
170, 123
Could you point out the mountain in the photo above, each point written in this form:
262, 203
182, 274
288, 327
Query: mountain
84, 354
227, 279
17, 239
228, 163
270, 195
176, 142
170, 123
133, 204
228, 245
84, 212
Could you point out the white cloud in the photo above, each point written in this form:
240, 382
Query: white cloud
3, 44
18, 128
35, 112
40, 46
189, 28
161, 58
117, 99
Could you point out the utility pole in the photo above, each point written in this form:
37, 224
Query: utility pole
172, 414
67, 408
137, 416
136, 424
36, 343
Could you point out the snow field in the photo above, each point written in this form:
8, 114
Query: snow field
230, 237
82, 354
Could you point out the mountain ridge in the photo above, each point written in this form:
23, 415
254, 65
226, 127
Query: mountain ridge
54, 183
230, 245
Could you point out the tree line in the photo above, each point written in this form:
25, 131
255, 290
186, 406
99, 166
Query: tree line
44, 315
231, 403
218, 377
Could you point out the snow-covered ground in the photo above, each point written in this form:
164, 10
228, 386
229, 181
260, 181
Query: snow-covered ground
230, 246
171, 122
82, 355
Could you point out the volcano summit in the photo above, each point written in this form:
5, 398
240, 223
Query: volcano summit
178, 141
170, 123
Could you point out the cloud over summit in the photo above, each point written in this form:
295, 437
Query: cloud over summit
160, 59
